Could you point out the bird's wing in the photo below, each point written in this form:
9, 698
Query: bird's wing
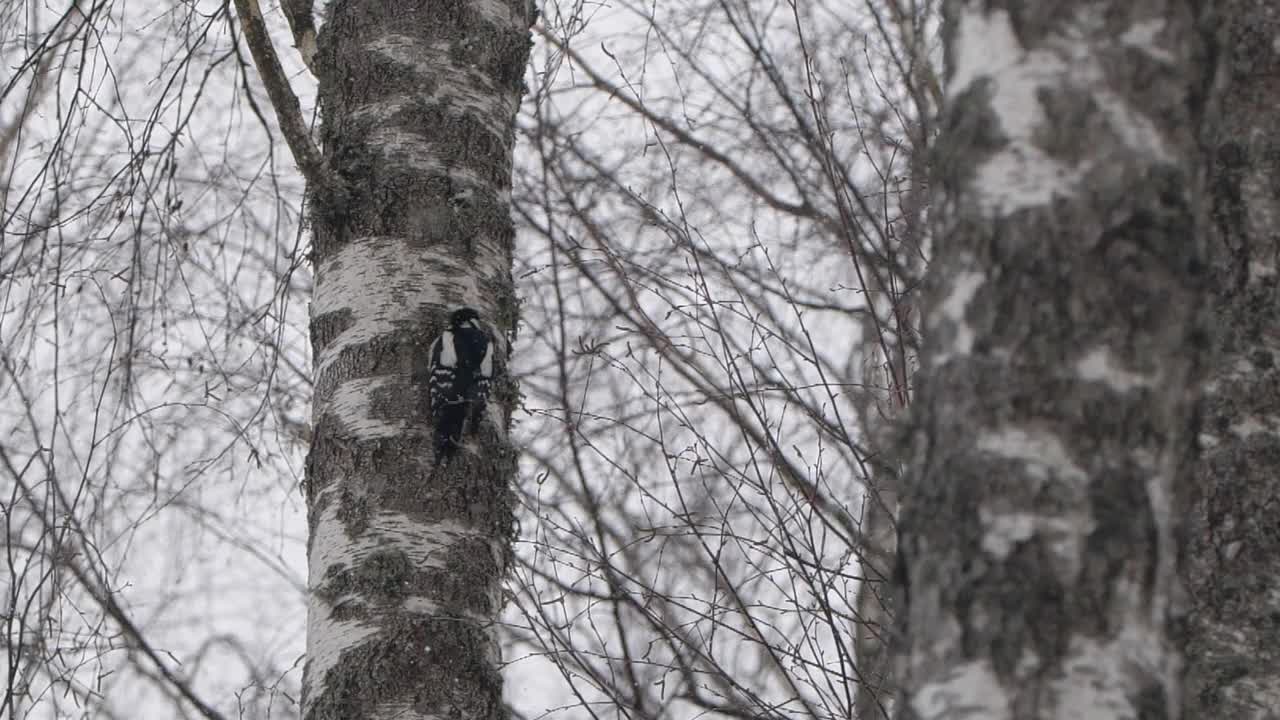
437, 369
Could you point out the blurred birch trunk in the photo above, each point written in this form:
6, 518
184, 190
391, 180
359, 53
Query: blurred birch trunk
1063, 350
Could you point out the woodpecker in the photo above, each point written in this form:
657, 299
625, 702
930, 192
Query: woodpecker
458, 383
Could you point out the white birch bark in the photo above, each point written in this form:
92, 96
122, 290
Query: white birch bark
1063, 341
405, 565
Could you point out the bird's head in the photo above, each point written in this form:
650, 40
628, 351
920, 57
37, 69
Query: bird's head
464, 317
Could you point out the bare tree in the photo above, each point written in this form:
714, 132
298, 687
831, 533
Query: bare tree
725, 305
1064, 345
151, 369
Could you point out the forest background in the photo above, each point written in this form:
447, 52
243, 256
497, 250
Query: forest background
722, 232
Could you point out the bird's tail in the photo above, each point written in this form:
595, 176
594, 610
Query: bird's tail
446, 447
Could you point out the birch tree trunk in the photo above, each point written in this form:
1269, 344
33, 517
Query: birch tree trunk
419, 100
1233, 540
1062, 354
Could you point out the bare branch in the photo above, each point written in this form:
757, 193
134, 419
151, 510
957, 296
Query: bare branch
288, 110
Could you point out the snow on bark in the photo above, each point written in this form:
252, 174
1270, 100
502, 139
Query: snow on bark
1065, 336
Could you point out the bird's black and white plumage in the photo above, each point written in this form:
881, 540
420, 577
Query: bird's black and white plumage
460, 372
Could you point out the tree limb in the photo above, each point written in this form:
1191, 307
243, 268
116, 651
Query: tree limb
288, 110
